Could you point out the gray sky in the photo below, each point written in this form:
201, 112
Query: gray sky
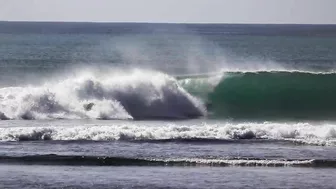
185, 11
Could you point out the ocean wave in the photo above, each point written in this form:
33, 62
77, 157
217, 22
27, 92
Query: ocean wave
303, 133
140, 94
52, 159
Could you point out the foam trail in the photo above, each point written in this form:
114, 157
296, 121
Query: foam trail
137, 94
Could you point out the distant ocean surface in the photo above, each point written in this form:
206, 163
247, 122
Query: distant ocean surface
136, 105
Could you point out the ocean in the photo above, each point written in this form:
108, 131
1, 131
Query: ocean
139, 105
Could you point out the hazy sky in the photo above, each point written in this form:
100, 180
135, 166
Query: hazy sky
219, 11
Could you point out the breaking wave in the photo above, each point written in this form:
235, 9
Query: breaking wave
140, 94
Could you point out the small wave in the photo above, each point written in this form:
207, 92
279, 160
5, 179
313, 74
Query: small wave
303, 133
122, 161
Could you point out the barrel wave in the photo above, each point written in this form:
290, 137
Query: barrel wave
269, 95
277, 95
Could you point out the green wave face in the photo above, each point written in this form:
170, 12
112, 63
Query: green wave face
270, 95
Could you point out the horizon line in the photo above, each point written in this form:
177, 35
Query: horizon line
145, 22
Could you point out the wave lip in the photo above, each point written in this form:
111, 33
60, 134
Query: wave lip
53, 159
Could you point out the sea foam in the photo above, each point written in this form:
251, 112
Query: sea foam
298, 133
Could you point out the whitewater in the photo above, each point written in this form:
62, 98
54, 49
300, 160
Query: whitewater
115, 95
